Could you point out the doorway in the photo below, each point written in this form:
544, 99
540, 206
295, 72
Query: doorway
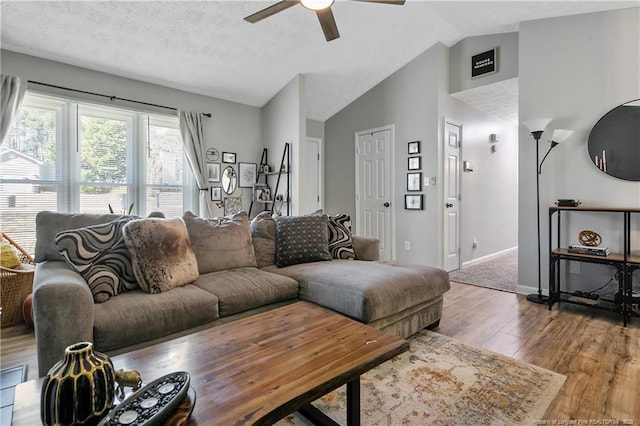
374, 187
312, 198
451, 241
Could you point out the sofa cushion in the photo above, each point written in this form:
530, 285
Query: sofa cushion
263, 234
301, 239
241, 289
49, 224
366, 291
340, 241
161, 253
100, 255
136, 316
221, 243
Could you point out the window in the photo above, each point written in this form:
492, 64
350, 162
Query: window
69, 156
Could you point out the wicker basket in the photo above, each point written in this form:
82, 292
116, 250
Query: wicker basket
16, 285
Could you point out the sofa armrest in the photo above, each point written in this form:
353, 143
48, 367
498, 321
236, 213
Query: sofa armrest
366, 248
62, 312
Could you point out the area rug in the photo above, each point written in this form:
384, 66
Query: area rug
441, 381
500, 272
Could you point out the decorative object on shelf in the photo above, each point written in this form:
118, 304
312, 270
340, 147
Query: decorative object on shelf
613, 142
537, 127
216, 193
127, 379
264, 168
229, 157
414, 181
232, 205
213, 172
152, 404
414, 163
229, 180
79, 389
261, 192
566, 202
589, 238
413, 202
413, 147
248, 174
213, 155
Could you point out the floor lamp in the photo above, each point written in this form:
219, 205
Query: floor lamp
536, 127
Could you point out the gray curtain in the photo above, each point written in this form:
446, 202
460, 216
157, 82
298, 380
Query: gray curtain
13, 89
192, 133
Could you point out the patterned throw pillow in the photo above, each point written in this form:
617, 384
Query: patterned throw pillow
301, 239
161, 253
100, 255
340, 241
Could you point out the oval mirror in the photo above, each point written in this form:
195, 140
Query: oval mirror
614, 142
229, 180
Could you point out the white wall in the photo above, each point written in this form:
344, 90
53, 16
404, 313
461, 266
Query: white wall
284, 120
233, 127
573, 69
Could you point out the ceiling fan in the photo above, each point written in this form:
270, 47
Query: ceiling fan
321, 7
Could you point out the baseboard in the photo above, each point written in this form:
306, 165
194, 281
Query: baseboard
488, 257
525, 289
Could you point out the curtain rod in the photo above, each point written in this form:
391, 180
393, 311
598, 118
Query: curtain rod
208, 114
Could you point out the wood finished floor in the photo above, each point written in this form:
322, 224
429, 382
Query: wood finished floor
599, 356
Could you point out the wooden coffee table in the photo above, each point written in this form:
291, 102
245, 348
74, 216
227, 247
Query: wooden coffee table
259, 369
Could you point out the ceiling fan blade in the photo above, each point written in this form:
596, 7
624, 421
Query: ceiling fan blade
271, 10
397, 2
328, 24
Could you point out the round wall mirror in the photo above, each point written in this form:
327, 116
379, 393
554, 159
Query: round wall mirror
614, 142
229, 180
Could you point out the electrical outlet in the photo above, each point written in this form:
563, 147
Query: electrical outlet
407, 245
475, 243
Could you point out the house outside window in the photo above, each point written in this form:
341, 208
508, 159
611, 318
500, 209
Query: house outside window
73, 156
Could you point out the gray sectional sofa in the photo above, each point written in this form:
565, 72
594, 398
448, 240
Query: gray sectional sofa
237, 275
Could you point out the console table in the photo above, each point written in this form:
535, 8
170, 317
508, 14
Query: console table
623, 261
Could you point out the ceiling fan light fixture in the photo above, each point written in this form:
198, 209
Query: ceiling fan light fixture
316, 4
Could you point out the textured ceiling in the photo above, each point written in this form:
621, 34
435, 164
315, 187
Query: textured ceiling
205, 46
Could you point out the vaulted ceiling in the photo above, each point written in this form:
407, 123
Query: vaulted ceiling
206, 47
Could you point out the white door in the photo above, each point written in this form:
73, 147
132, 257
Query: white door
452, 141
312, 194
374, 174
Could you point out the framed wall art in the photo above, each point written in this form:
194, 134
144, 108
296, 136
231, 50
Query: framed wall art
413, 147
414, 181
213, 172
229, 157
216, 193
414, 163
232, 205
248, 174
414, 202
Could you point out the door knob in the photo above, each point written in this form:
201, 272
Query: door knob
386, 204
449, 205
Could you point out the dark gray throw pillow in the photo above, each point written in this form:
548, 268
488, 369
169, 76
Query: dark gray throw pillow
302, 239
100, 255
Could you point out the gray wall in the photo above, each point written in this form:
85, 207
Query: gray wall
574, 69
460, 59
234, 127
284, 120
409, 99
315, 129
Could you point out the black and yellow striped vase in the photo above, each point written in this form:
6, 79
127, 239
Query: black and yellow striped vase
79, 389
